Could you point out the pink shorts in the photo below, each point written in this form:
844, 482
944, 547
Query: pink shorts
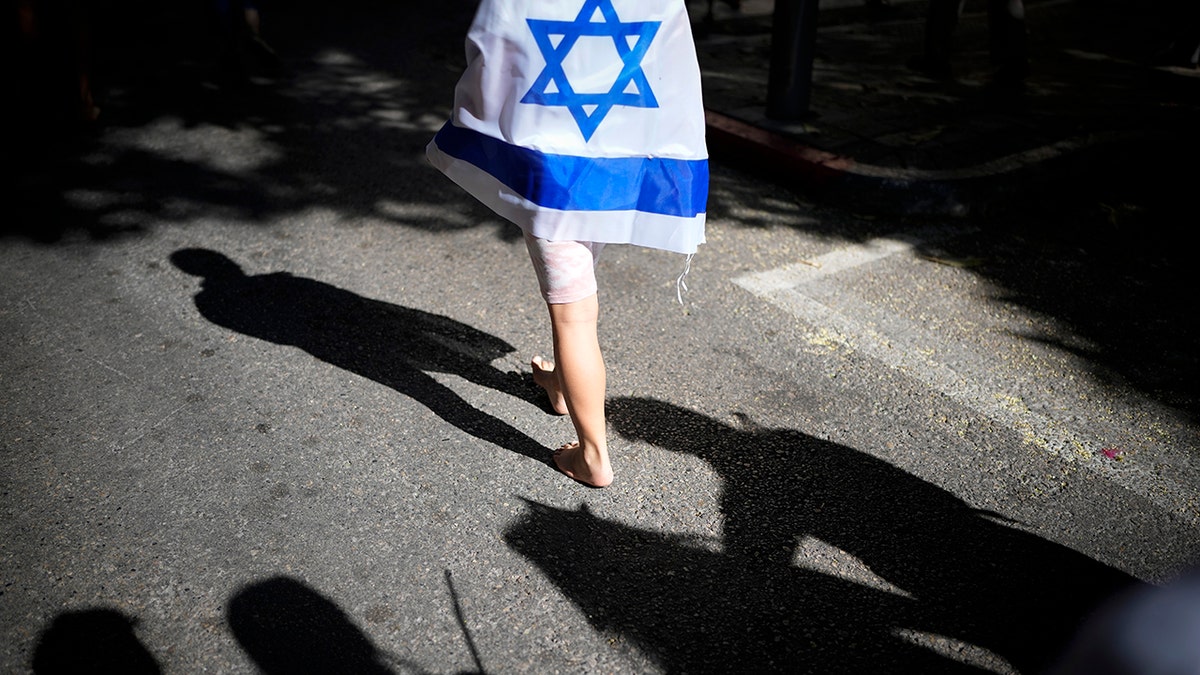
566, 270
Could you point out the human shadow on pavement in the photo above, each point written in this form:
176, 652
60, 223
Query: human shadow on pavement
949, 588
97, 640
287, 627
393, 345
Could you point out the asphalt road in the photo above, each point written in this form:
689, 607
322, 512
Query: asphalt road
264, 403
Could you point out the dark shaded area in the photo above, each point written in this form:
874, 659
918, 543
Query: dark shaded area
1105, 258
1150, 630
965, 575
287, 627
1097, 67
337, 140
100, 641
1109, 258
392, 345
1096, 240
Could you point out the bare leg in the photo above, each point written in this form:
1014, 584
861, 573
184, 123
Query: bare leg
579, 366
546, 377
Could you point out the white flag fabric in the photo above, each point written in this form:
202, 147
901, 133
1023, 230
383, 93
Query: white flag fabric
582, 120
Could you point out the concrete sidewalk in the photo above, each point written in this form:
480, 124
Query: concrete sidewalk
887, 138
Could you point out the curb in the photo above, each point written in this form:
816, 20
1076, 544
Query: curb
833, 177
895, 191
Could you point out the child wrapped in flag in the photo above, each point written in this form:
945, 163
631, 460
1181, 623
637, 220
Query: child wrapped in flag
581, 121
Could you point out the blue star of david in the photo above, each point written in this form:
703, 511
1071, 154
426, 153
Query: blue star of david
631, 87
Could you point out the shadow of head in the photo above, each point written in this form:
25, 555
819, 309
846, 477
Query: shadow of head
743, 450
92, 641
339, 325
201, 262
287, 627
675, 428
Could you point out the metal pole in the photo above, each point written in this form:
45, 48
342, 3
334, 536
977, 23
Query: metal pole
793, 43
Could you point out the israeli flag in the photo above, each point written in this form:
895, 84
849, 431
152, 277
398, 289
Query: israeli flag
582, 120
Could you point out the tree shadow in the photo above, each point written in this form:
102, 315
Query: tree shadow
393, 345
1103, 257
364, 84
953, 576
97, 640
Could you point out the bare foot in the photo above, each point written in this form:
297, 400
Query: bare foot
545, 377
570, 460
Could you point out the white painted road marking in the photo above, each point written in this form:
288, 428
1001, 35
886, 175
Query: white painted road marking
786, 288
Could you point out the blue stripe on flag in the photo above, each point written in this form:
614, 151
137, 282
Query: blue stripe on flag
671, 187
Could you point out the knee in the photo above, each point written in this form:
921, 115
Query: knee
580, 312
